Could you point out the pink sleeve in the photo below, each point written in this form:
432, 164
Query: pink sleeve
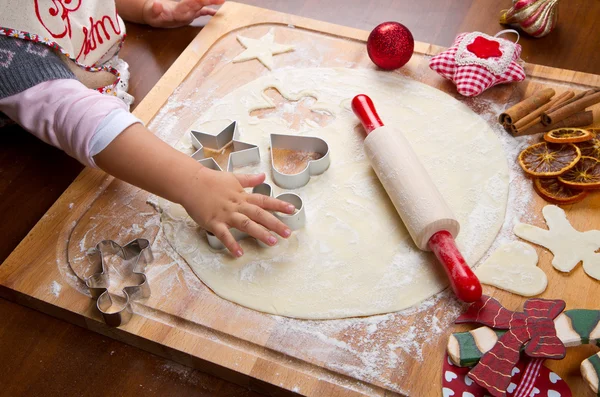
65, 114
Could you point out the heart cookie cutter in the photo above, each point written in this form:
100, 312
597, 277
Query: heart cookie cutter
294, 221
135, 255
243, 153
304, 144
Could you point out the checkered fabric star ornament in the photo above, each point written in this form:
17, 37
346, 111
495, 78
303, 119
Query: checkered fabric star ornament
477, 61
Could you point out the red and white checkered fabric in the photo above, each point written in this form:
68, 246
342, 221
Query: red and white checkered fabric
472, 79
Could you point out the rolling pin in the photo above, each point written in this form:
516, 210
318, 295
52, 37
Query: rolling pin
423, 210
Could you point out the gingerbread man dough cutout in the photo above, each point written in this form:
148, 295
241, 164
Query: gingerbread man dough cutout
568, 245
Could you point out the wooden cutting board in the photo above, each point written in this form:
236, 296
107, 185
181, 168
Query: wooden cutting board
394, 354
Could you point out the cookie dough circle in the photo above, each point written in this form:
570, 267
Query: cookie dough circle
354, 257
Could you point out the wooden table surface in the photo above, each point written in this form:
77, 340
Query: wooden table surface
40, 355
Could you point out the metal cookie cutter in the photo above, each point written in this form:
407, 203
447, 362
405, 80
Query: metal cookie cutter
135, 255
299, 143
294, 221
243, 153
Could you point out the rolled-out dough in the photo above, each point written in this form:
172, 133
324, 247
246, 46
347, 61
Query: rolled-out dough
354, 257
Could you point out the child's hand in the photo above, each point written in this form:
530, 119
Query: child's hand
173, 14
217, 201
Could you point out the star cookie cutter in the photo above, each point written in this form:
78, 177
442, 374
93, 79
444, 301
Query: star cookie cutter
299, 144
294, 221
243, 153
135, 255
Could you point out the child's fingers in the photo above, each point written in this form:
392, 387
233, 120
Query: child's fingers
224, 235
247, 225
271, 204
192, 5
188, 5
205, 11
210, 2
266, 219
156, 9
250, 180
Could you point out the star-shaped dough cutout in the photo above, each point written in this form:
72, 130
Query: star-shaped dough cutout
568, 245
262, 49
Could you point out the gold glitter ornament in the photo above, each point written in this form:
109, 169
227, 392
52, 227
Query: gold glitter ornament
535, 17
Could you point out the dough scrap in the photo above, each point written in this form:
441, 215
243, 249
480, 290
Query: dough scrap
568, 245
354, 257
513, 267
262, 49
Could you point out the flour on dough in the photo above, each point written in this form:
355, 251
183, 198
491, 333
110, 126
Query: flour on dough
568, 245
354, 257
513, 267
262, 49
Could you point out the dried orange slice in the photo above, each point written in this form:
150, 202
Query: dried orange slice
591, 148
585, 174
568, 135
551, 190
549, 159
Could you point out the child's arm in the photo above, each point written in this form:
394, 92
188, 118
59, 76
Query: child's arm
165, 13
99, 131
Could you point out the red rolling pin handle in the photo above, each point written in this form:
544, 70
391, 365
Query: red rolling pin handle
464, 282
364, 109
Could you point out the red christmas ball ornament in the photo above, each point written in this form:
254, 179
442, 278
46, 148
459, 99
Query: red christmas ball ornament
390, 45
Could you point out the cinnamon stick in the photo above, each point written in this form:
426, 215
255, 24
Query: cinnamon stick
580, 119
531, 118
575, 98
515, 130
523, 108
570, 109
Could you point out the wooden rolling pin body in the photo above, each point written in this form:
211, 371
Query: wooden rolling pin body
418, 202
422, 208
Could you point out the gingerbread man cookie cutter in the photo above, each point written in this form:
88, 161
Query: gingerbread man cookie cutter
135, 256
300, 144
